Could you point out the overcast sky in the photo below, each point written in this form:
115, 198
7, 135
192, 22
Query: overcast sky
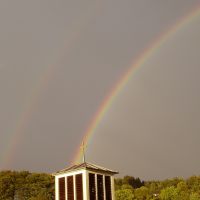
58, 61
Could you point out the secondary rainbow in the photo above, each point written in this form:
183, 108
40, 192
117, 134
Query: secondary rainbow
42, 83
139, 62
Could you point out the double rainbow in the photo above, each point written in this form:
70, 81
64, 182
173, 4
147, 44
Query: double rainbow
106, 104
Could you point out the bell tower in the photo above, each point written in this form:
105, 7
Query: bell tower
85, 181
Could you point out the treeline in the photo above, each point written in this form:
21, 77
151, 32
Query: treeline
130, 188
26, 186
39, 186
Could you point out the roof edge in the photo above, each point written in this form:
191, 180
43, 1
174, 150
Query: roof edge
86, 166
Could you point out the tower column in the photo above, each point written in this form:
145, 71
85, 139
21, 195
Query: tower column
113, 187
74, 181
56, 189
104, 187
85, 186
96, 186
66, 193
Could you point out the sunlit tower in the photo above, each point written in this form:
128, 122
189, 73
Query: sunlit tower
84, 181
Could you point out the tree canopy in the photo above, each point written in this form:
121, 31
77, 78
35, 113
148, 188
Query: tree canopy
25, 185
40, 186
170, 189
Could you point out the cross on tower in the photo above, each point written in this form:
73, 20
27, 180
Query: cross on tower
83, 146
84, 181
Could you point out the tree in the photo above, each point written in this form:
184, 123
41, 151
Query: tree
118, 183
194, 183
7, 187
41, 196
25, 185
194, 196
124, 194
134, 182
142, 193
169, 193
183, 190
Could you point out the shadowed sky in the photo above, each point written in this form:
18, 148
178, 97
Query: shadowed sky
59, 60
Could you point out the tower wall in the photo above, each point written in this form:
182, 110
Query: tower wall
84, 184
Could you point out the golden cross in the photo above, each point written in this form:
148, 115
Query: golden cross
83, 146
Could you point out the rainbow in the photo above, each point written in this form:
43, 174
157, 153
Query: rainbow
44, 79
139, 62
42, 83
25, 116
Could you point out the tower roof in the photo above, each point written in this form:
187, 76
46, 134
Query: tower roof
87, 166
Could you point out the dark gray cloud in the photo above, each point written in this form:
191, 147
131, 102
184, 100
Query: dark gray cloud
59, 59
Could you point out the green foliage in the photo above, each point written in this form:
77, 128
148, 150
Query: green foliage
41, 196
123, 194
142, 193
169, 189
39, 186
126, 186
128, 180
194, 183
169, 193
194, 196
134, 182
26, 186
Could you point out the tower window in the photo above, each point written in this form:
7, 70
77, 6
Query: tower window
79, 187
70, 188
92, 187
100, 187
108, 188
61, 188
